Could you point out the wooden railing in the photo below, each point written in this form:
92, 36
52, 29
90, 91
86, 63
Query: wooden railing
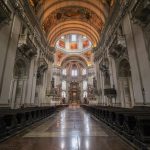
12, 121
132, 123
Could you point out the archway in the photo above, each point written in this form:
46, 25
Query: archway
20, 81
125, 83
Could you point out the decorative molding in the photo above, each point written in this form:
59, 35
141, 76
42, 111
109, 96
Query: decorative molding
108, 33
26, 46
5, 13
118, 46
25, 12
141, 12
73, 12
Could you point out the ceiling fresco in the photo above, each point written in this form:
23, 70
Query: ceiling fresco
72, 13
62, 17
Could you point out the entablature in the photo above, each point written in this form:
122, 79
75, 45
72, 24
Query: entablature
109, 31
118, 46
26, 46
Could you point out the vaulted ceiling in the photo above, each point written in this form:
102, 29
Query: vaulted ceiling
86, 17
61, 17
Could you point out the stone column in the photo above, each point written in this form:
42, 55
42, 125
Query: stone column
31, 83
5, 37
143, 61
133, 59
24, 90
49, 77
98, 79
44, 88
114, 80
33, 100
12, 94
48, 83
8, 66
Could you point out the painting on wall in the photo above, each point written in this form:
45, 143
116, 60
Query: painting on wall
73, 46
85, 43
72, 13
62, 43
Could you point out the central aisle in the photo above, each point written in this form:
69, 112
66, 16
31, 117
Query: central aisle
71, 129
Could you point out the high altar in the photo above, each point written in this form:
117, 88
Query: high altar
74, 93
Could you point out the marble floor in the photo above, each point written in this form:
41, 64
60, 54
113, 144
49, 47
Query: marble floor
70, 129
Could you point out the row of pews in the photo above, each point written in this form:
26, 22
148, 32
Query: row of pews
131, 123
14, 120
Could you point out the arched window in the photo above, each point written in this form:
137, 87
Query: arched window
73, 37
85, 94
84, 85
64, 72
64, 85
74, 72
84, 72
63, 94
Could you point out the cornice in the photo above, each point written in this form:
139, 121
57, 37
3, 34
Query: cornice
108, 33
28, 17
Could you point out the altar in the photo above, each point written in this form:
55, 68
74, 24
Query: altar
74, 93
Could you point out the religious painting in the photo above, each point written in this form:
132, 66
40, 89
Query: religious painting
73, 46
59, 56
72, 13
88, 55
85, 43
62, 43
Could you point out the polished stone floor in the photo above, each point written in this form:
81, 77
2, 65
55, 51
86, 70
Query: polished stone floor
70, 129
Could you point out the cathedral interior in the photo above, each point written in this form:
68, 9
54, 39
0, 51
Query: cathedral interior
74, 74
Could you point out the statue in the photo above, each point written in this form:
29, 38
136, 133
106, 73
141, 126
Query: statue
94, 83
63, 100
53, 83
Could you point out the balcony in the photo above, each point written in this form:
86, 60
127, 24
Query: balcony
5, 13
118, 47
26, 46
141, 12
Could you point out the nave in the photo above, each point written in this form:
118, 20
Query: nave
70, 129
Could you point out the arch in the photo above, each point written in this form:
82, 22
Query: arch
104, 67
74, 57
56, 17
96, 6
69, 27
125, 83
40, 73
20, 77
124, 68
20, 68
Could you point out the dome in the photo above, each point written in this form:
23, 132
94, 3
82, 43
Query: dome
73, 43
